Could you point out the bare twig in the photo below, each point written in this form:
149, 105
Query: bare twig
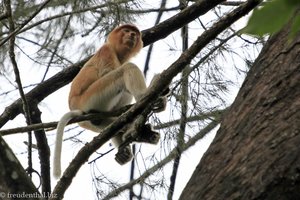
183, 99
102, 115
149, 52
52, 125
69, 13
4, 16
58, 42
24, 23
233, 3
26, 109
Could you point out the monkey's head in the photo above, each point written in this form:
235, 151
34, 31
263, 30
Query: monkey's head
126, 40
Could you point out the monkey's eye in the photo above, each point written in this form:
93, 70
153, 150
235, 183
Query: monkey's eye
126, 30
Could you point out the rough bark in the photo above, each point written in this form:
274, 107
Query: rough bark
256, 152
14, 182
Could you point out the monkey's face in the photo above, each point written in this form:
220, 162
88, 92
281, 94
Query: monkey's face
126, 40
129, 37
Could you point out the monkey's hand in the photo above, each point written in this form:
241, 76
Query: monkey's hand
161, 103
124, 154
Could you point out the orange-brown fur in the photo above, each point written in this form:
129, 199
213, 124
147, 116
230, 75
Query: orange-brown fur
107, 81
110, 56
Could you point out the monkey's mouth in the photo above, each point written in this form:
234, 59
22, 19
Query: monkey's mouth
130, 42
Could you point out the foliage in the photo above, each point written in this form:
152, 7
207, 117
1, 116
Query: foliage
272, 16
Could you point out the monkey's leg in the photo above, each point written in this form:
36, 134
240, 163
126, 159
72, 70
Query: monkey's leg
134, 80
124, 153
146, 135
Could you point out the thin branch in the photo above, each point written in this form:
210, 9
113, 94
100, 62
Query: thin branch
233, 3
200, 117
165, 161
52, 125
56, 47
69, 13
26, 109
43, 151
229, 3
183, 98
149, 52
146, 68
45, 48
4, 16
102, 115
12, 34
132, 170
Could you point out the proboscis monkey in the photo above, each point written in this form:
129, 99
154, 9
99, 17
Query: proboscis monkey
108, 82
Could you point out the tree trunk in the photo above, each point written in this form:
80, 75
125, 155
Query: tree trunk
14, 182
256, 152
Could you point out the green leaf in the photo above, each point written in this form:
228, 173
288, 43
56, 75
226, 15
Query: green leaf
271, 17
295, 27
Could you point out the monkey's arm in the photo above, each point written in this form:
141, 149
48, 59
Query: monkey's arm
86, 76
95, 68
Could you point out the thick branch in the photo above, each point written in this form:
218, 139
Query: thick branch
174, 23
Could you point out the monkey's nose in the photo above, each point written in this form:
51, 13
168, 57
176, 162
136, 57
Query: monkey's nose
132, 34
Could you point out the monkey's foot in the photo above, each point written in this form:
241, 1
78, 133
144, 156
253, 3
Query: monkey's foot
147, 135
124, 154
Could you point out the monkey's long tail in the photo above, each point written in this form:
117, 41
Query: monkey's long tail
59, 137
